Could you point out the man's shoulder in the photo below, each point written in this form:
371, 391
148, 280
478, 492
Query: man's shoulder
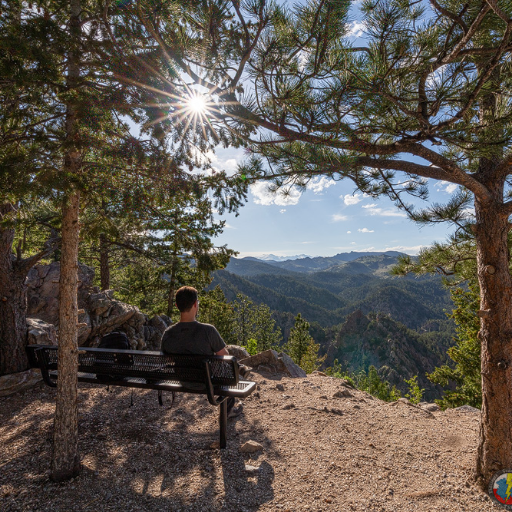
195, 325
206, 326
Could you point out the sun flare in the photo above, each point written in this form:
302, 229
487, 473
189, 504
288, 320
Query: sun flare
197, 104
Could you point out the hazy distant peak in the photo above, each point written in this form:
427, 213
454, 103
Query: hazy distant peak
273, 257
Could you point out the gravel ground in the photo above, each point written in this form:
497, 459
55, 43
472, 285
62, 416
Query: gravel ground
319, 453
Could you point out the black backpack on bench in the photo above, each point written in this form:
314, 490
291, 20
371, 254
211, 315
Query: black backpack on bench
115, 341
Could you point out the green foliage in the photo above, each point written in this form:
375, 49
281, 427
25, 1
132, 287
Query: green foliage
254, 321
301, 347
415, 394
368, 381
456, 260
240, 322
465, 373
216, 310
372, 383
252, 346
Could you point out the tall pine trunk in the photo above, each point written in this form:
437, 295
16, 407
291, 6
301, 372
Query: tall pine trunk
492, 227
104, 262
65, 458
13, 304
172, 285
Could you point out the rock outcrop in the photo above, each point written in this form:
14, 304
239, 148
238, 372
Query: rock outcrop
40, 333
99, 312
238, 352
274, 362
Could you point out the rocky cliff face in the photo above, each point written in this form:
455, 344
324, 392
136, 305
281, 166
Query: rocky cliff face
99, 311
398, 353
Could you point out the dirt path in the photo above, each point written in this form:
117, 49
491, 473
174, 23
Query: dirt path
320, 453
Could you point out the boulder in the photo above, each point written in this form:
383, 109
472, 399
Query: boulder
276, 362
40, 333
429, 406
158, 323
342, 393
99, 312
43, 290
238, 352
14, 382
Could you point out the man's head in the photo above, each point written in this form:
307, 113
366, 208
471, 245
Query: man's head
186, 297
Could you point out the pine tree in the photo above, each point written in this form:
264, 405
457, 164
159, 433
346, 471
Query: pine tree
69, 140
465, 354
456, 262
254, 325
216, 310
301, 347
424, 98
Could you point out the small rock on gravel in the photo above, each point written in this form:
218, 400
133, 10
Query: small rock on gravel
251, 469
466, 408
251, 447
342, 393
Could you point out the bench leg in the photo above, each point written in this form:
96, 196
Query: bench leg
223, 422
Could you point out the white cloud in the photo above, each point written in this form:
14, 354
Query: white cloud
282, 210
263, 195
339, 218
371, 205
231, 164
202, 158
366, 230
308, 242
356, 29
350, 199
317, 185
302, 58
228, 226
349, 232
413, 250
446, 186
381, 212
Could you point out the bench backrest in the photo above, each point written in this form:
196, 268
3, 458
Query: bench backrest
220, 370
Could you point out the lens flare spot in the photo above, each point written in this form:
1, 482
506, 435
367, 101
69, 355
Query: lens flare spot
197, 104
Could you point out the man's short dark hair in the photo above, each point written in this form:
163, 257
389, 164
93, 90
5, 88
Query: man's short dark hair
186, 297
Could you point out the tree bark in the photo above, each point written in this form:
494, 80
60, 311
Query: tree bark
495, 442
13, 304
104, 262
172, 285
65, 458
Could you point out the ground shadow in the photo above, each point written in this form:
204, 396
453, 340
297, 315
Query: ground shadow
140, 457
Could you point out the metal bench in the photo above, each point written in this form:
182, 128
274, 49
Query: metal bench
214, 376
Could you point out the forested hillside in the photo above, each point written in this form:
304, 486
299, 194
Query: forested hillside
401, 326
329, 295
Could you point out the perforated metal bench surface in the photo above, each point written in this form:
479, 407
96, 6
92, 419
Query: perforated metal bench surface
216, 377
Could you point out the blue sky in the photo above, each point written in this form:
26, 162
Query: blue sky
326, 219
329, 217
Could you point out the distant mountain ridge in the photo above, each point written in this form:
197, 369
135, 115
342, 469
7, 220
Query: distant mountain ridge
273, 257
403, 328
326, 290
315, 263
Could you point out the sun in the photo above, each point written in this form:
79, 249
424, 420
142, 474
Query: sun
197, 104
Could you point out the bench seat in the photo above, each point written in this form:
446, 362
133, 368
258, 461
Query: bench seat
217, 377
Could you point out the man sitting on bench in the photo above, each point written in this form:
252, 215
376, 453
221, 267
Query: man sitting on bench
189, 336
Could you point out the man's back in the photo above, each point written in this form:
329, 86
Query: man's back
192, 338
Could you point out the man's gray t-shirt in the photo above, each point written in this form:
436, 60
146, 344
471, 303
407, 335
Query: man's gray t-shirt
192, 338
